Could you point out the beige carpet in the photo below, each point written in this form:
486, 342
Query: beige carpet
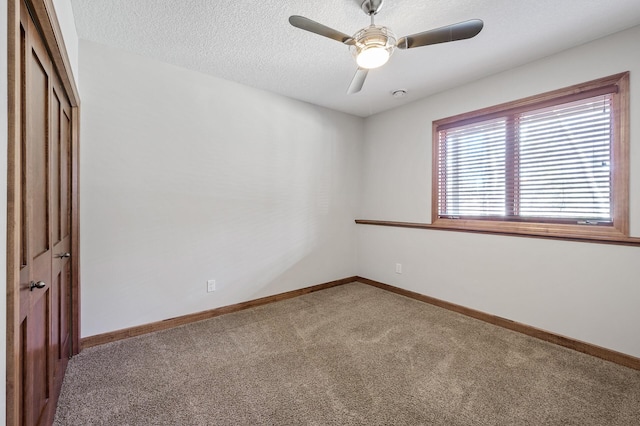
349, 355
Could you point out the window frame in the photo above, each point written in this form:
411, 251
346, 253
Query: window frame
618, 230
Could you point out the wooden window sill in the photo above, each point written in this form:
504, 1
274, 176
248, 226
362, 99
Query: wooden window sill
594, 235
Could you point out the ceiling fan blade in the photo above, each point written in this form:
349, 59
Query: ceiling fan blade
459, 31
315, 27
358, 81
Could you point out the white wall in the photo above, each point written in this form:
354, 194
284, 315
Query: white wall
3, 206
585, 291
186, 177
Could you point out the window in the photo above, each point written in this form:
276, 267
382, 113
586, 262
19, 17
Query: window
554, 164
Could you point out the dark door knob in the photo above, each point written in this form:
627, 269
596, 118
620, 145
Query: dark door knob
39, 284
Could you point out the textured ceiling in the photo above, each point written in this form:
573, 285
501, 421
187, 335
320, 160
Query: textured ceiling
252, 42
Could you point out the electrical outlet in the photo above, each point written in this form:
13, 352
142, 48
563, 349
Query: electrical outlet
398, 268
211, 286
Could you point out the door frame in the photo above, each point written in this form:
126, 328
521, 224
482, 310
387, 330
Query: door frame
44, 17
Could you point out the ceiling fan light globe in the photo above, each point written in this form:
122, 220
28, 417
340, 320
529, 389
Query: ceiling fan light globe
372, 57
373, 46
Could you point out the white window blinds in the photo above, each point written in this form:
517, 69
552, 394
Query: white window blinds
549, 163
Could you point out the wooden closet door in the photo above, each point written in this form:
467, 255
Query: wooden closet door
60, 229
45, 242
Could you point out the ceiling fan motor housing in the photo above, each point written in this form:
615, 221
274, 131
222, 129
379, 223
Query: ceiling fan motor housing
371, 7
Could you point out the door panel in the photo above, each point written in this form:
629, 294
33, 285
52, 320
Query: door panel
38, 353
37, 377
44, 277
24, 231
61, 192
38, 152
42, 225
56, 140
64, 314
55, 219
65, 172
23, 368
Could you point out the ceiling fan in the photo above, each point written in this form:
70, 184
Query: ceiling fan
373, 45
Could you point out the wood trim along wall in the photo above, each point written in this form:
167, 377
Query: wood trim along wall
567, 342
75, 232
622, 241
113, 336
13, 213
577, 345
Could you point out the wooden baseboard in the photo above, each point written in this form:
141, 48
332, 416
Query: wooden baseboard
567, 342
112, 336
577, 345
